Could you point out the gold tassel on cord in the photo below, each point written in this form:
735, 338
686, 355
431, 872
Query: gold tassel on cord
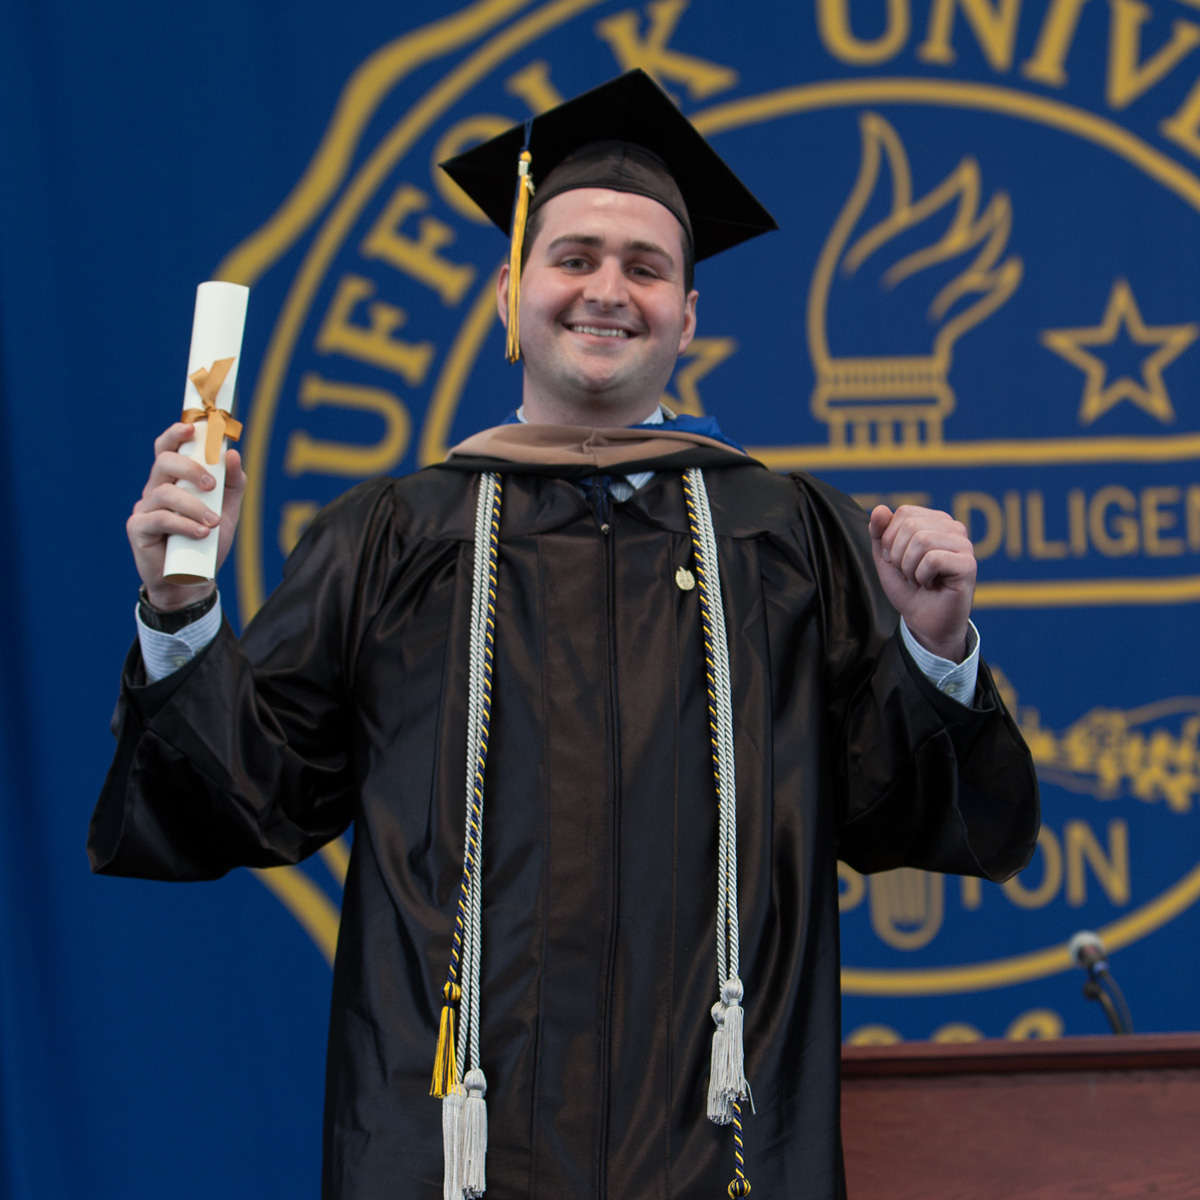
524, 192
445, 1064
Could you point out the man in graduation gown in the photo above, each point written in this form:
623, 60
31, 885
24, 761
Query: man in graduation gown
346, 701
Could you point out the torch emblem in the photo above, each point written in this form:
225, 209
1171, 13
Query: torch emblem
903, 399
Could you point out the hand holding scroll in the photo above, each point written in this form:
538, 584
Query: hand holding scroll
165, 508
926, 564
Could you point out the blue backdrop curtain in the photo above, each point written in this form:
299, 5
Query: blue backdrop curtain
984, 296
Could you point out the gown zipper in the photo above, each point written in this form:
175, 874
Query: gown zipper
600, 499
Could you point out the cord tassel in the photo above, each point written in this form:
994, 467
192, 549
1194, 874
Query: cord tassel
445, 1069
512, 345
731, 1070
727, 1079
719, 1111
474, 1136
452, 1115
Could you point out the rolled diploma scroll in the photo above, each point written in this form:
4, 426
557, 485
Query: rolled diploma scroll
217, 327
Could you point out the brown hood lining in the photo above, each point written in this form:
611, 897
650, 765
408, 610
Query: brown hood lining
582, 448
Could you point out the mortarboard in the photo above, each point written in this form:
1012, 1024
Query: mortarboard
626, 135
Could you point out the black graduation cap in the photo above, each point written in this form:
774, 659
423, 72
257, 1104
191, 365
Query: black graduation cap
626, 135
628, 112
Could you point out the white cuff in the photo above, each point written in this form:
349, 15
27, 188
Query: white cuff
164, 653
956, 680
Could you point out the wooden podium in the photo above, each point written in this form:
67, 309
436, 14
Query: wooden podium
1034, 1120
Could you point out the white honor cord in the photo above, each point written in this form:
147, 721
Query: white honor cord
728, 949
465, 1131
468, 1035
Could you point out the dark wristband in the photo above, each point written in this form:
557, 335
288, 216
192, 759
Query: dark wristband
173, 622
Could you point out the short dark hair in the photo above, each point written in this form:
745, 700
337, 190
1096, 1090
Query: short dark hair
534, 225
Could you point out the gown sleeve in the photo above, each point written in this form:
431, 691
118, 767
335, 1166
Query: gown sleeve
244, 756
922, 780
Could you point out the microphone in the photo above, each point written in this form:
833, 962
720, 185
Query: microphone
1087, 952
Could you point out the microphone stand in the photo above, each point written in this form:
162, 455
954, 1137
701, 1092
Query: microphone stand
1093, 991
1099, 975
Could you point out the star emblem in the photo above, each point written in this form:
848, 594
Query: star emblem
1122, 316
702, 356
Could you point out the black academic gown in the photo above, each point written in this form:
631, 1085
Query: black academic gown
345, 702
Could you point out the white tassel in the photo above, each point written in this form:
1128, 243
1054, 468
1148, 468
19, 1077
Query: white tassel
474, 1139
719, 1110
728, 1080
733, 1070
452, 1112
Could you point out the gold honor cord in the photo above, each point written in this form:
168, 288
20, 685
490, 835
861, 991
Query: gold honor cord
208, 381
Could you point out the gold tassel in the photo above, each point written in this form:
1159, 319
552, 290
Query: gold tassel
524, 192
445, 1063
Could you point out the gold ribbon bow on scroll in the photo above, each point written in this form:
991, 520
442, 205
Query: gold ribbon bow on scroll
208, 382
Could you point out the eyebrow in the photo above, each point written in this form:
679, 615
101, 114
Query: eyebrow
591, 239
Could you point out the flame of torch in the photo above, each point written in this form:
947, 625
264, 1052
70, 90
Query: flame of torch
871, 397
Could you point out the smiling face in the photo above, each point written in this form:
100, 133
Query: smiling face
604, 313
